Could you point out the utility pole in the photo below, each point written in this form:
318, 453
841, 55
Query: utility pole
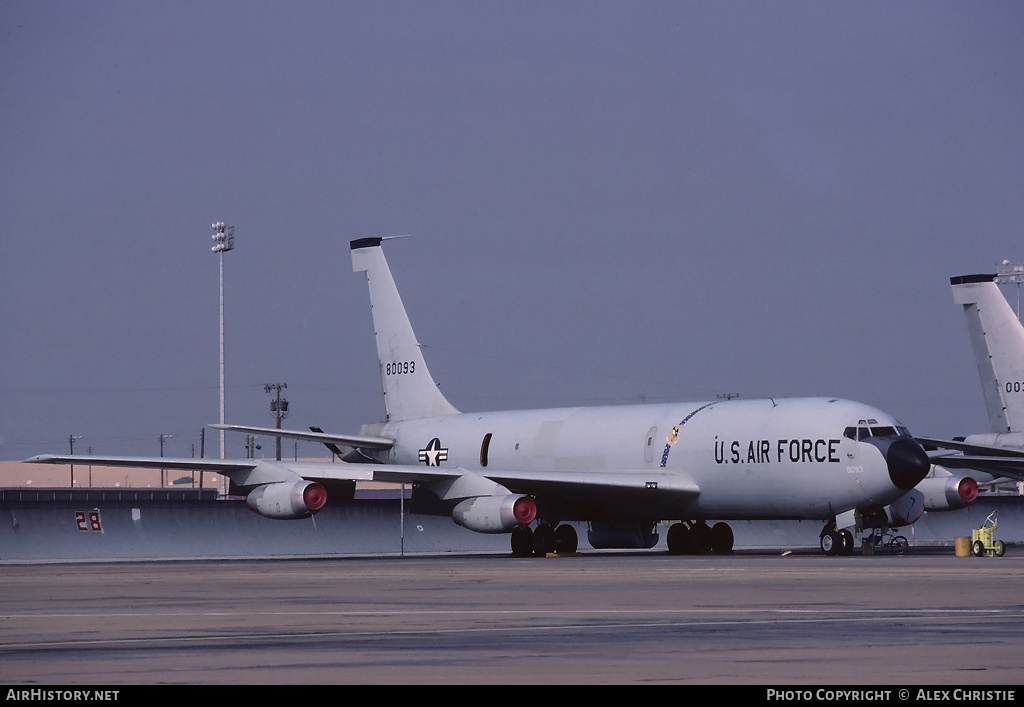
251, 447
71, 443
279, 407
163, 472
202, 453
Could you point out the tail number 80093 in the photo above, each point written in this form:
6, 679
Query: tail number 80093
399, 368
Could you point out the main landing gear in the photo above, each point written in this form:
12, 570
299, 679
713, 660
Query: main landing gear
835, 541
696, 538
545, 539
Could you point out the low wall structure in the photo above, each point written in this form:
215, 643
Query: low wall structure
136, 524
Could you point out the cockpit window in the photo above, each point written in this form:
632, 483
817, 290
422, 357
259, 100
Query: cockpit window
871, 428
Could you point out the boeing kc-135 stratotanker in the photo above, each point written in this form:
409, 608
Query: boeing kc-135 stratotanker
621, 469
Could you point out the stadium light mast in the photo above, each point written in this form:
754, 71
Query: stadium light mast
224, 240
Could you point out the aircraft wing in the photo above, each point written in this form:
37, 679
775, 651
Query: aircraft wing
577, 484
979, 450
595, 484
254, 471
322, 437
998, 461
1009, 467
570, 483
610, 489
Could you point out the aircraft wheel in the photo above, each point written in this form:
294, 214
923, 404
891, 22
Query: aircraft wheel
831, 542
679, 540
720, 538
979, 548
565, 539
700, 535
999, 548
522, 541
847, 537
544, 539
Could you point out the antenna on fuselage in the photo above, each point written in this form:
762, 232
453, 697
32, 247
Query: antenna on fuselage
1008, 272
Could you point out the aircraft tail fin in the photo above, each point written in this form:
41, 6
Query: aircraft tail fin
997, 337
409, 390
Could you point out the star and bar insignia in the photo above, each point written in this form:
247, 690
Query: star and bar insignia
434, 454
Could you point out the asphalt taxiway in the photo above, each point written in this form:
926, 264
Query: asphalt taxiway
923, 618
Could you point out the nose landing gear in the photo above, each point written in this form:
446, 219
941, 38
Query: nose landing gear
835, 541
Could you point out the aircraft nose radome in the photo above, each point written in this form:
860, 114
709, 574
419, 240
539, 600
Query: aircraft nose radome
908, 463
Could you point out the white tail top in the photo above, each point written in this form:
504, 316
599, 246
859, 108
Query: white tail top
998, 340
409, 390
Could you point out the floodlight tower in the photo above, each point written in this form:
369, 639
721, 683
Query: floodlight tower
224, 240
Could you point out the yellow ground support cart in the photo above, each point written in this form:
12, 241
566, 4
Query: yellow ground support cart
982, 542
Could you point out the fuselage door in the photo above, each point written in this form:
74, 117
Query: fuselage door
649, 444
484, 448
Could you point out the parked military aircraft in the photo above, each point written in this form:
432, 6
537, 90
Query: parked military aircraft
622, 469
997, 338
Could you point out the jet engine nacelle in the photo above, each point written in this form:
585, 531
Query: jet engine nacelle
947, 493
287, 500
495, 514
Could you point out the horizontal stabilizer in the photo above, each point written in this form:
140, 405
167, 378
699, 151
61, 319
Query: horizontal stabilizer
323, 438
221, 466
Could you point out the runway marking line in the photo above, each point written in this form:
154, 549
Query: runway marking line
788, 616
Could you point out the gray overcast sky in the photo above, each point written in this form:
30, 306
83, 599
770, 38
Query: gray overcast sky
608, 202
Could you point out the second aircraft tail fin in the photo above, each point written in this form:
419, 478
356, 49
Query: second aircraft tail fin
409, 390
997, 337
